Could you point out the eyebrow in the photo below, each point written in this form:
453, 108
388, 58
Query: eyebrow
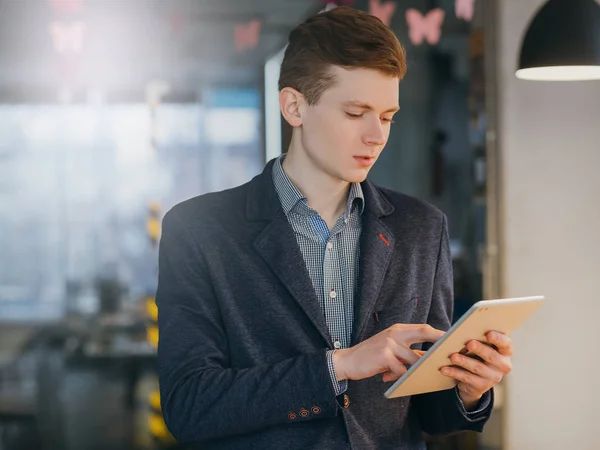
368, 107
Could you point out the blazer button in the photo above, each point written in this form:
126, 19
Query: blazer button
316, 410
304, 412
292, 416
346, 401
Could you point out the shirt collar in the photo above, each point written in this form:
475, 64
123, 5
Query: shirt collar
290, 195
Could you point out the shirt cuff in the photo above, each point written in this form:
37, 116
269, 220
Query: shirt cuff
482, 406
338, 386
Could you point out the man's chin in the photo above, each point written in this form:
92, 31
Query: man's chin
357, 177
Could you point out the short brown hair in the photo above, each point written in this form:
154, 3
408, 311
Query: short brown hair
344, 37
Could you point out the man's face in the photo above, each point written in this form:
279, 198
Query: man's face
346, 130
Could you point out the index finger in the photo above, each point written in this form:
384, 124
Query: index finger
419, 333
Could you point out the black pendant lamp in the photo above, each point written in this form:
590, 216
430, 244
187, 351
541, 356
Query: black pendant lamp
562, 42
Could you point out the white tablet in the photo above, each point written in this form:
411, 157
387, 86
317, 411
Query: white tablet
503, 315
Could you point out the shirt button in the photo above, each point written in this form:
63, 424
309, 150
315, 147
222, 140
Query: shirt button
337, 344
329, 245
332, 294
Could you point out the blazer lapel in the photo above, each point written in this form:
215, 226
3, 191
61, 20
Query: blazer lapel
376, 248
277, 245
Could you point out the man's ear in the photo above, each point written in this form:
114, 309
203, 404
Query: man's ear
291, 103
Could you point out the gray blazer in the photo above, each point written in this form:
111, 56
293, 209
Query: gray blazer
243, 339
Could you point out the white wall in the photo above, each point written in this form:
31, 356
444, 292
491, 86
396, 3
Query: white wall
550, 144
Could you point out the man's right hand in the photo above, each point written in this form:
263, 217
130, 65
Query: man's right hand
387, 352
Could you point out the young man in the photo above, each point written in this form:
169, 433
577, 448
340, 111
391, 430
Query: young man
288, 305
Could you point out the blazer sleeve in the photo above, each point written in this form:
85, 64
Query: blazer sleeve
202, 396
442, 412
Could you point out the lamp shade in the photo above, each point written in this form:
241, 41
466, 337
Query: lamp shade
562, 42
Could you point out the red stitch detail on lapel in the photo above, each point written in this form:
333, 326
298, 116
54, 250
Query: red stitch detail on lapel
382, 237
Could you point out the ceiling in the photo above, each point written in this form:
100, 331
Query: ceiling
126, 44
189, 44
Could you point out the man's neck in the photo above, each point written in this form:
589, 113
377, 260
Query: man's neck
325, 194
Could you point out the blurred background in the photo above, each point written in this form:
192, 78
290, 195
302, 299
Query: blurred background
112, 111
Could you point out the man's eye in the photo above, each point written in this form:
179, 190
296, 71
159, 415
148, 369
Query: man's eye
388, 120
354, 116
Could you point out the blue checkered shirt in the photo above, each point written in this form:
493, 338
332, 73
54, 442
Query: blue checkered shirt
331, 257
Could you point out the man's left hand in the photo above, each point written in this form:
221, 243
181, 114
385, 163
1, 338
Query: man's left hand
476, 378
